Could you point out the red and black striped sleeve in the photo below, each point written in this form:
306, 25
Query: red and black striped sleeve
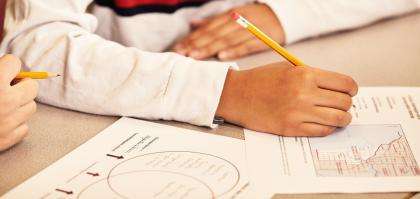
133, 7
2, 14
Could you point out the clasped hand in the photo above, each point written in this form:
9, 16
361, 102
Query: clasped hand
222, 37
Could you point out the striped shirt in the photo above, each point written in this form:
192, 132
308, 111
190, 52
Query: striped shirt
133, 7
2, 11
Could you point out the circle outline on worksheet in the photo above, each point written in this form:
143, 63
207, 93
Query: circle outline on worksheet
140, 171
160, 152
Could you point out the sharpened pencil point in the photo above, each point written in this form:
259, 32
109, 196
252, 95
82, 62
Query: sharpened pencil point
53, 75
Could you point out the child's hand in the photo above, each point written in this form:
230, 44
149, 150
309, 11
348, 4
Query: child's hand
221, 36
16, 102
287, 100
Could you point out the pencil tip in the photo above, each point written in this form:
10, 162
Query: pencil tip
54, 75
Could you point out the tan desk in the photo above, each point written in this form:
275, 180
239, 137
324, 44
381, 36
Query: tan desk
387, 53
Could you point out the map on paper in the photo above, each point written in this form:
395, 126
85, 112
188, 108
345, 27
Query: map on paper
378, 152
364, 151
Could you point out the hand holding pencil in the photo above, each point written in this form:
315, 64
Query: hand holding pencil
16, 102
36, 75
286, 100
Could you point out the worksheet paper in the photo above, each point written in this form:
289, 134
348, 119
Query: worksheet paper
138, 159
378, 152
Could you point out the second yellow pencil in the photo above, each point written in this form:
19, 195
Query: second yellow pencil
36, 75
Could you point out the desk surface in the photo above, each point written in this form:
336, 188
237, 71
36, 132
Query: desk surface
385, 54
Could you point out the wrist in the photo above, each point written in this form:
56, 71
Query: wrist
233, 99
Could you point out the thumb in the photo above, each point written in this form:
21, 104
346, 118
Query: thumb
9, 69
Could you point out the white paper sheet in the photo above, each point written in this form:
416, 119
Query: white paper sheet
138, 159
378, 152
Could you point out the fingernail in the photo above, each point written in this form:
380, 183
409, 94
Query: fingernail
223, 55
195, 54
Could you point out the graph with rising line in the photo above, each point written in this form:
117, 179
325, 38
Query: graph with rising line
364, 151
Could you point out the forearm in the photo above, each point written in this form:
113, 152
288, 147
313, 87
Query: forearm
103, 77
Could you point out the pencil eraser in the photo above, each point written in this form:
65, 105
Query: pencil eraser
235, 15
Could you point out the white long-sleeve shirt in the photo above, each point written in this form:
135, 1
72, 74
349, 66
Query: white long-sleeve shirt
104, 77
300, 19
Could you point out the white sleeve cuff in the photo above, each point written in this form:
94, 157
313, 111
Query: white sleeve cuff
297, 17
306, 18
194, 91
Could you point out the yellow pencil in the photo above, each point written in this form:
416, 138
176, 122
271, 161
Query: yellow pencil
266, 39
36, 75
